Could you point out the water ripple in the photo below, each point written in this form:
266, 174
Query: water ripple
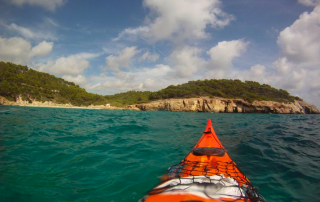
98, 155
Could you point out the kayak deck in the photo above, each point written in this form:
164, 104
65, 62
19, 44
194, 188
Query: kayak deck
197, 168
207, 173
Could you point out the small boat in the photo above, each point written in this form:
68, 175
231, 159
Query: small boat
206, 174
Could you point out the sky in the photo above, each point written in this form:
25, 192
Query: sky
112, 46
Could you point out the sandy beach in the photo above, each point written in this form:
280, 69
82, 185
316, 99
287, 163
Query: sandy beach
50, 104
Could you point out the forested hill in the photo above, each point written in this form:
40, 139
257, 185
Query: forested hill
248, 90
18, 80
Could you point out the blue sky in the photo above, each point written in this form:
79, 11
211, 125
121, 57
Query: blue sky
114, 46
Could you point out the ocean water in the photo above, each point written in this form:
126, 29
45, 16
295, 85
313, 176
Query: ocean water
49, 154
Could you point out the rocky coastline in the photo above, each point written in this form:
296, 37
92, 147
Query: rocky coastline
203, 104
223, 105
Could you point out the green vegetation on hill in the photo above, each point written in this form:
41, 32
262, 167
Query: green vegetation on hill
248, 90
18, 80
128, 98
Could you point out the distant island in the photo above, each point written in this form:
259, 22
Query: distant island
20, 85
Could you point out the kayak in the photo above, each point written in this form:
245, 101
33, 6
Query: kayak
206, 174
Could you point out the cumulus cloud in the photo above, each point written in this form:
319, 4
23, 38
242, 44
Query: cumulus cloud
43, 49
122, 60
186, 61
184, 19
178, 20
294, 81
79, 79
50, 5
28, 33
300, 42
20, 51
281, 65
158, 71
309, 2
223, 54
258, 70
147, 56
297, 70
294, 70
71, 67
153, 78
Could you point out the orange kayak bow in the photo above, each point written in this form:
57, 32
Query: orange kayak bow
206, 174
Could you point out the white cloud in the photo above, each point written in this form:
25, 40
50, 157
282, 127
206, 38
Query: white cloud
28, 33
20, 51
258, 70
159, 71
309, 2
184, 19
144, 56
122, 60
297, 69
223, 54
147, 56
138, 79
186, 61
178, 20
300, 42
281, 65
295, 80
25, 32
50, 5
79, 79
132, 33
43, 49
15, 50
72, 66
86, 55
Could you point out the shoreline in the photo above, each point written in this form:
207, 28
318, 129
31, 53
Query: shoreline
50, 104
203, 104
64, 106
115, 108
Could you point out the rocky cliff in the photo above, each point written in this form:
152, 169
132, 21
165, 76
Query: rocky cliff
223, 105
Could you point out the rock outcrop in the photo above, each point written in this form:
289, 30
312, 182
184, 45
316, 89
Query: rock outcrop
223, 105
2, 100
204, 104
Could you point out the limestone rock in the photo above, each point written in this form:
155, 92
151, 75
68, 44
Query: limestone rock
3, 100
224, 105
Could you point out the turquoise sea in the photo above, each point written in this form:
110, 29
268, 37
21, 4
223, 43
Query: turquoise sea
49, 154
